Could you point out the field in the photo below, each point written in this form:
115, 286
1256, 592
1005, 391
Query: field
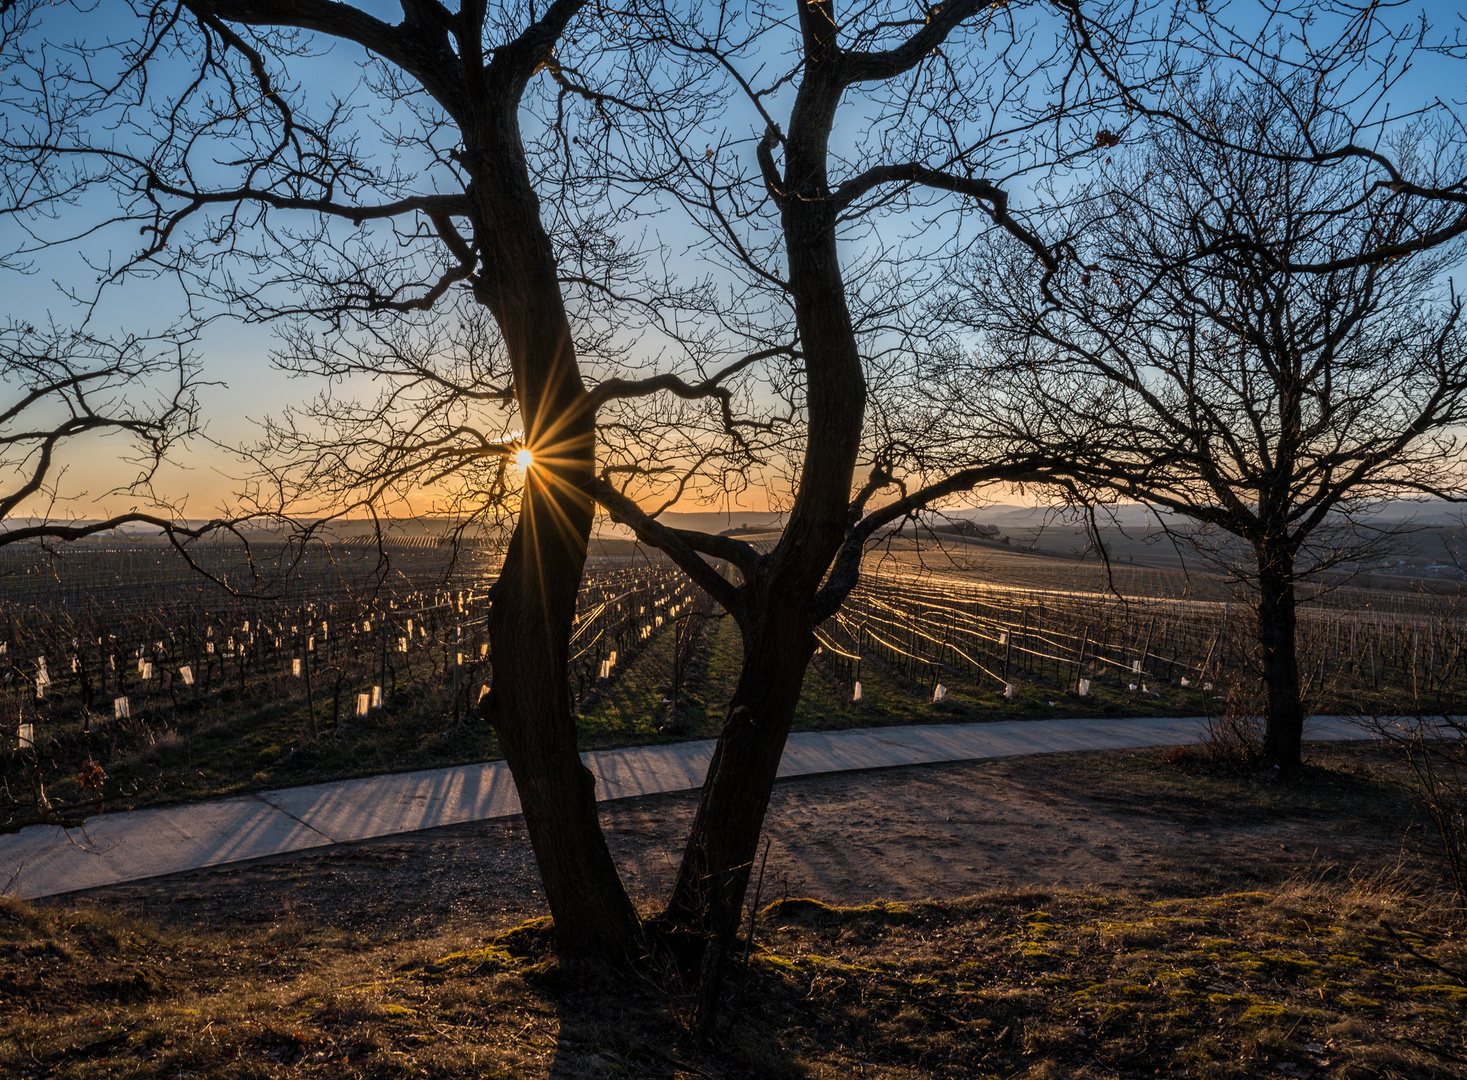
130, 680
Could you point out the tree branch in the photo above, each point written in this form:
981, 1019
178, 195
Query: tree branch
682, 546
616, 389
942, 20
845, 573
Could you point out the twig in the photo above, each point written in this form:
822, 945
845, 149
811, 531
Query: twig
753, 918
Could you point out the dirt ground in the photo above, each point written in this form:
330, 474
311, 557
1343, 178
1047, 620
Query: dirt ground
1132, 821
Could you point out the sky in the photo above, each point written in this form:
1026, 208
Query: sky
242, 387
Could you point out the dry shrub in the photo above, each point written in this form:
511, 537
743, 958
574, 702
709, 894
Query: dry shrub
1234, 734
1436, 749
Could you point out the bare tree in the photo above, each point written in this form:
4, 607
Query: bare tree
959, 103
1193, 356
186, 124
63, 391
260, 200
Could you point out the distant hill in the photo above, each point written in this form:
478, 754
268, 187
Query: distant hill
986, 521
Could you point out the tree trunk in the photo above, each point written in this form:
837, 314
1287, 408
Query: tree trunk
534, 598
708, 895
1283, 712
534, 602
777, 605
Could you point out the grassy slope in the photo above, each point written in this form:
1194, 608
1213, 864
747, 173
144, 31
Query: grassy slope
1329, 980
1023, 983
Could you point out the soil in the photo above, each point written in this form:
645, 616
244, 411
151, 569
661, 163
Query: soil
1114, 916
1149, 823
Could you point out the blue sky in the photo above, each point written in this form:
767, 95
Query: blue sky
247, 387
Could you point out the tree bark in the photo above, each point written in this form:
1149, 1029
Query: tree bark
534, 598
1277, 639
708, 895
776, 610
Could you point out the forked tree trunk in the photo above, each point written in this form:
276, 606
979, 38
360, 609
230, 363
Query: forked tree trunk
1278, 645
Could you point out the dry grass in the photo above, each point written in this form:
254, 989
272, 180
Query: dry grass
1303, 982
1307, 981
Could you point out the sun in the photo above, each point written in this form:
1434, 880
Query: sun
523, 458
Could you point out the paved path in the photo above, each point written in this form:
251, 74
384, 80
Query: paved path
45, 860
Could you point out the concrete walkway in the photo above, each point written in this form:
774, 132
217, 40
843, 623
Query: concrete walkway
46, 860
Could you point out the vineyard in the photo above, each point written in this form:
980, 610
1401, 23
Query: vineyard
127, 678
949, 630
130, 660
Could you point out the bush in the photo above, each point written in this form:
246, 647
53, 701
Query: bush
1436, 749
1234, 735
